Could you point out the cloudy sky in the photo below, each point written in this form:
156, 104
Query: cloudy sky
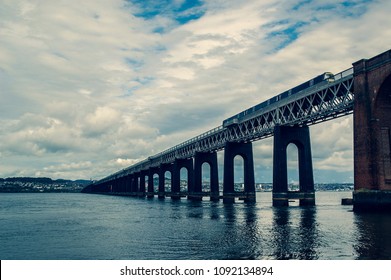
91, 87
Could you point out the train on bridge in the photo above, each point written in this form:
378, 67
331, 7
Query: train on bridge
362, 90
325, 77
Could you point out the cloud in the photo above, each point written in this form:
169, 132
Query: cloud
109, 83
103, 120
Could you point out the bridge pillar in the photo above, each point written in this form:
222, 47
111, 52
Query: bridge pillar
113, 185
151, 172
128, 183
135, 185
142, 190
246, 152
176, 176
162, 180
372, 124
101, 187
118, 184
300, 136
199, 159
122, 182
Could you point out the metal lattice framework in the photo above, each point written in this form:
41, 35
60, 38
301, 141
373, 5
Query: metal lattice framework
316, 104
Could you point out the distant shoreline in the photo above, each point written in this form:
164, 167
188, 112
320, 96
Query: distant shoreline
29, 191
48, 185
41, 185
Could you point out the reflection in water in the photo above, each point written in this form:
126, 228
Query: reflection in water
281, 233
374, 236
245, 231
241, 232
308, 234
295, 233
252, 232
73, 226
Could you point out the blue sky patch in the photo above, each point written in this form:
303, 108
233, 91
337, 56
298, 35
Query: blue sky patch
140, 82
283, 32
180, 11
287, 35
136, 64
301, 4
354, 8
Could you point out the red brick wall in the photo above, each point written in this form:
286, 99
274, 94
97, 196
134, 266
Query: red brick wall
372, 123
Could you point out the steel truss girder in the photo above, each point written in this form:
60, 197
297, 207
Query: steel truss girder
314, 106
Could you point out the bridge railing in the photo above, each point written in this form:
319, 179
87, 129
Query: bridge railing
167, 154
191, 141
344, 74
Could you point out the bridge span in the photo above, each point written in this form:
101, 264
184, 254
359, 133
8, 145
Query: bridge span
363, 90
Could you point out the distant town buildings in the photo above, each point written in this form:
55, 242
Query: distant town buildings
26, 184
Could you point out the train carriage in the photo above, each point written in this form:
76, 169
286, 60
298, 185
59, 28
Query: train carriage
325, 77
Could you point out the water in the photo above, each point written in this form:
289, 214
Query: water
85, 226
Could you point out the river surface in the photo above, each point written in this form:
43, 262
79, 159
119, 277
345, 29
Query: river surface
53, 226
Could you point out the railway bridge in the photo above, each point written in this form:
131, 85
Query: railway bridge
363, 90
